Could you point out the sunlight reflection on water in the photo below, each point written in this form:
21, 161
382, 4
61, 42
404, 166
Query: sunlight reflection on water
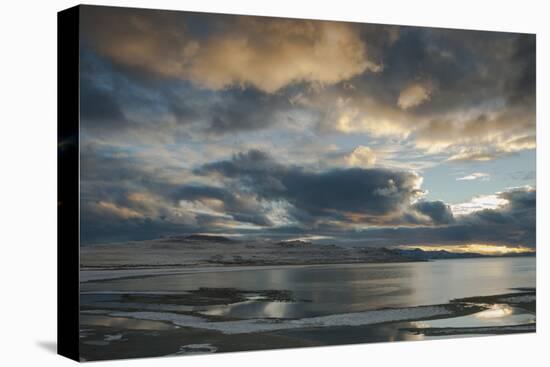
496, 315
334, 289
495, 311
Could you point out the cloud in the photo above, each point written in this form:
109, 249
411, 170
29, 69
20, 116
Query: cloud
266, 53
167, 75
475, 114
96, 228
477, 133
259, 196
114, 210
218, 123
480, 134
512, 224
98, 104
475, 176
414, 95
120, 192
117, 105
360, 113
222, 202
493, 151
394, 157
437, 211
522, 86
478, 203
344, 197
361, 156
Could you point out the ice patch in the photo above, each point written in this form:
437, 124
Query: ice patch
109, 338
196, 349
265, 325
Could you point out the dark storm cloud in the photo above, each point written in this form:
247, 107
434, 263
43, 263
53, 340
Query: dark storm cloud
106, 96
518, 217
241, 207
522, 87
245, 110
226, 112
98, 105
117, 171
100, 102
512, 224
455, 61
376, 196
119, 193
337, 198
437, 211
122, 200
467, 68
98, 228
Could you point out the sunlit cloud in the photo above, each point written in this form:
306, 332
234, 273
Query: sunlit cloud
109, 208
478, 203
414, 95
475, 176
361, 156
267, 53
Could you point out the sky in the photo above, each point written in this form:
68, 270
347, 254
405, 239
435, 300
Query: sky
349, 133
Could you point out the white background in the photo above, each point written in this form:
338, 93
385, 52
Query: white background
28, 182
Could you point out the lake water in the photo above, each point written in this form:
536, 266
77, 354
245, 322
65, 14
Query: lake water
334, 289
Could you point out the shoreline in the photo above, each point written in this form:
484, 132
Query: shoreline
99, 274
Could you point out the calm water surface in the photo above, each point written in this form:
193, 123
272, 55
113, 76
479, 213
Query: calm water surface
346, 288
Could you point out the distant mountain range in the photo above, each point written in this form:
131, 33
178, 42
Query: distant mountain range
204, 250
204, 237
419, 254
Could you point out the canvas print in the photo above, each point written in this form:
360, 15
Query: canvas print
252, 183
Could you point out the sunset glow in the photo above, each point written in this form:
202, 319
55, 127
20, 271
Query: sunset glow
478, 248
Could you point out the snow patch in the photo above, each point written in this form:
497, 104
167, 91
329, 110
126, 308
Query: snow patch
109, 338
266, 325
196, 349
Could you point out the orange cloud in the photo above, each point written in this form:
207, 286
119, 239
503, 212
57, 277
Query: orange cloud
361, 156
117, 210
265, 53
414, 95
